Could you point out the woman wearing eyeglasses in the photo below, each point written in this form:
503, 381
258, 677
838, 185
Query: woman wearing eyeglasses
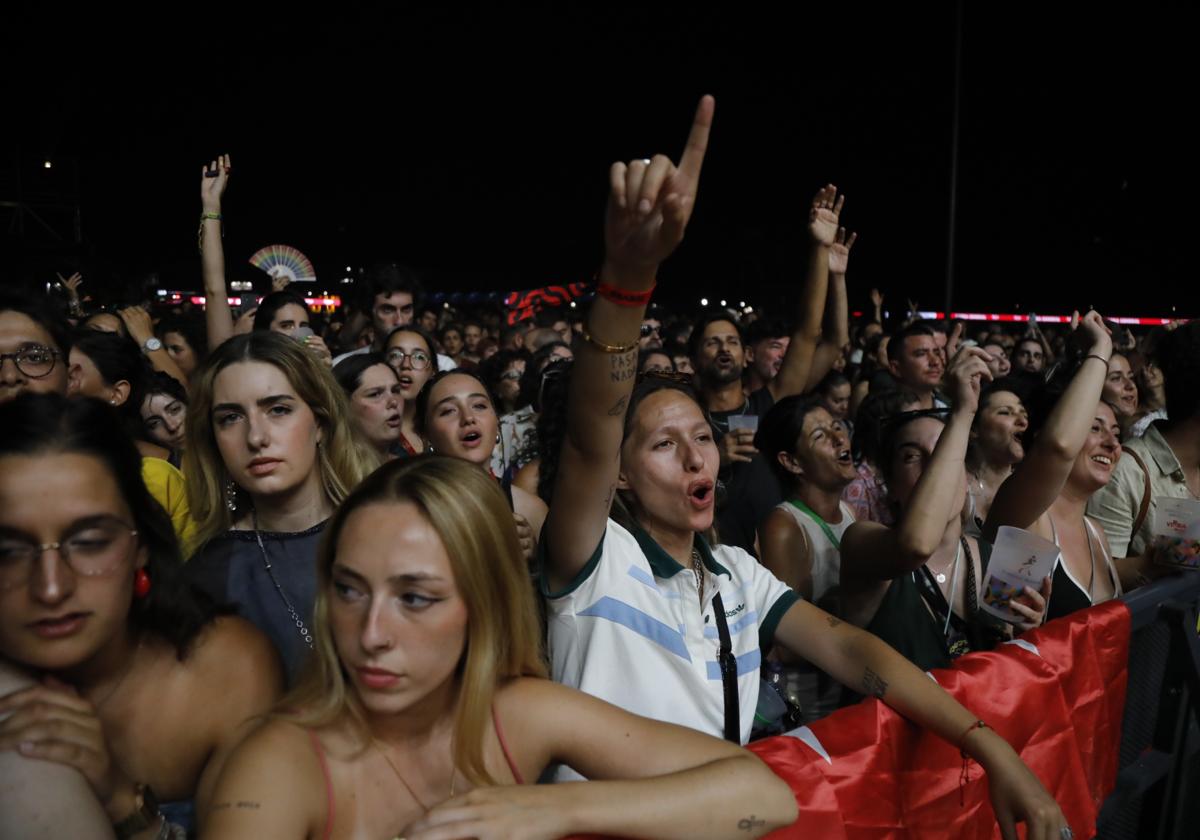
139, 687
409, 350
34, 344
644, 610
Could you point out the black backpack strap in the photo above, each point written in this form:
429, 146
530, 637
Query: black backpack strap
727, 662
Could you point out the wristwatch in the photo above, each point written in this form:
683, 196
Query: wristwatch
145, 814
151, 345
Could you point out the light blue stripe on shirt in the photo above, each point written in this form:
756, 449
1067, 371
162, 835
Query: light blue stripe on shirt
646, 626
642, 576
746, 663
735, 628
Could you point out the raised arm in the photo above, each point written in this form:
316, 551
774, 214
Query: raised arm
1038, 479
212, 251
871, 551
877, 306
868, 665
649, 206
835, 335
141, 329
798, 361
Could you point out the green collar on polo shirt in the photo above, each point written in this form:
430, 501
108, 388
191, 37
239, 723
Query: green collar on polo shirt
665, 566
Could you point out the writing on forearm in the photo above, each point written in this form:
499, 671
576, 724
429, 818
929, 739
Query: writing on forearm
623, 367
241, 805
750, 823
873, 684
618, 407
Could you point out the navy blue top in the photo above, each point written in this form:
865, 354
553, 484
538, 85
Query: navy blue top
230, 569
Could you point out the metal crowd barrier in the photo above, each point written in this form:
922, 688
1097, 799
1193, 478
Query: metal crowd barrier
1157, 794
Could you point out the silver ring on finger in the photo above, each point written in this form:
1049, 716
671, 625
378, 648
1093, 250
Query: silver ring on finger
1066, 833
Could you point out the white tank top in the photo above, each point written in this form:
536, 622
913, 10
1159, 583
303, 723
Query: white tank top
826, 557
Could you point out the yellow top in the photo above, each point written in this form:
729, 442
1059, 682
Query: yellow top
166, 485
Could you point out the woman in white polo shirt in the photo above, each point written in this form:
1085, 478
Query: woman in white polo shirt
649, 614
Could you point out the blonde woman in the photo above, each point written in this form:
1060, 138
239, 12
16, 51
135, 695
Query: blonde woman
271, 453
426, 709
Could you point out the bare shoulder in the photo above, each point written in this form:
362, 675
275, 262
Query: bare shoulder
232, 642
273, 775
232, 668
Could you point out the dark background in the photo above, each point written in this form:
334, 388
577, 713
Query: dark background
475, 145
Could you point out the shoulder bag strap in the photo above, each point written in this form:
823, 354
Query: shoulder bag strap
727, 662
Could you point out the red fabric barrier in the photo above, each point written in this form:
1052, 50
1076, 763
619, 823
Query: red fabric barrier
1060, 708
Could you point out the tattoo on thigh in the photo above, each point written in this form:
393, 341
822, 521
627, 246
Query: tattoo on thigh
750, 823
873, 684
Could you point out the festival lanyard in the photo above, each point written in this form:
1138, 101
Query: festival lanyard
816, 518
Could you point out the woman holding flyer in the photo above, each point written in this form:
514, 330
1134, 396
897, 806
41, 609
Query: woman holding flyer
1072, 457
914, 585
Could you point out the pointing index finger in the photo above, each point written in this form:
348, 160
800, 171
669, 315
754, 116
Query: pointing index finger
697, 142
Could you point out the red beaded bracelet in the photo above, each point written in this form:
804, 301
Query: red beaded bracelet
624, 297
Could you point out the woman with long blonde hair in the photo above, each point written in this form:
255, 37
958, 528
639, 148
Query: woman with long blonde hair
425, 708
271, 453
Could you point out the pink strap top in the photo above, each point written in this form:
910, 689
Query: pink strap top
329, 799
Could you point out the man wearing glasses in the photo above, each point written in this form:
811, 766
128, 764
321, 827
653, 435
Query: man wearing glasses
33, 349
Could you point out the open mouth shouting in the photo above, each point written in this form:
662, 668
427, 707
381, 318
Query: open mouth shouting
700, 493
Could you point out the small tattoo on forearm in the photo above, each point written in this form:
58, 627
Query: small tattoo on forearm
241, 805
873, 684
832, 621
618, 407
750, 823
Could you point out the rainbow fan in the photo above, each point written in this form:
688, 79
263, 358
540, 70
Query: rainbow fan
284, 261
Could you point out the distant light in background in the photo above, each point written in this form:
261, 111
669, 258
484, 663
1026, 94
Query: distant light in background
704, 301
47, 165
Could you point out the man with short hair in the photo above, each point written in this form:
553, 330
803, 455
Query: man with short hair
717, 352
1029, 356
388, 298
766, 345
651, 336
34, 346
916, 363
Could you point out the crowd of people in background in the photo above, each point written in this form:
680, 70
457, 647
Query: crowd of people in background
374, 572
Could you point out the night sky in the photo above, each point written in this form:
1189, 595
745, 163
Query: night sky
475, 146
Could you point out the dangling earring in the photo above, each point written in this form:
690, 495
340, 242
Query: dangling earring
141, 584
231, 495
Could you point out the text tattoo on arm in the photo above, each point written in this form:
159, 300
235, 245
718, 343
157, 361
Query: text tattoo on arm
623, 367
873, 684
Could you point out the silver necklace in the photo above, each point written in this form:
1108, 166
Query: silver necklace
308, 640
698, 571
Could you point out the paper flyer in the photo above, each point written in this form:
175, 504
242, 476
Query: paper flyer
1177, 533
1019, 559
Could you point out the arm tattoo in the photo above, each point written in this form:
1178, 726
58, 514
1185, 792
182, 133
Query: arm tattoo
623, 367
832, 621
618, 407
873, 684
241, 805
750, 823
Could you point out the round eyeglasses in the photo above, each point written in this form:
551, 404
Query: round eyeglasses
34, 362
95, 550
419, 359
